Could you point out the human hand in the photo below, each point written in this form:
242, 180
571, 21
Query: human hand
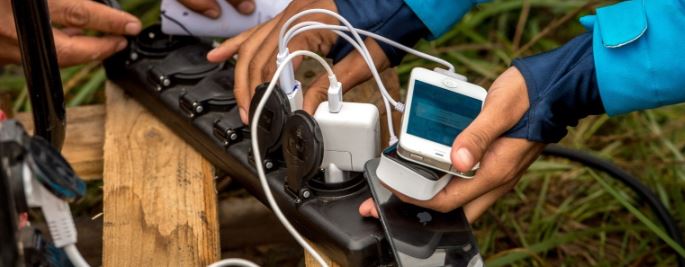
257, 49
502, 159
74, 16
211, 9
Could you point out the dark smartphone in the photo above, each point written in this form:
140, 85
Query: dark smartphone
421, 237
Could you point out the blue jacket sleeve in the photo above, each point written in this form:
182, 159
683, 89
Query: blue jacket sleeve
562, 89
440, 15
639, 54
391, 19
404, 21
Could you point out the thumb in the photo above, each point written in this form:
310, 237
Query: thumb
368, 209
504, 106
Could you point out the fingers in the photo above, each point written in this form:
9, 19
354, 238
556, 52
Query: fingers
474, 209
71, 31
86, 14
504, 106
501, 167
209, 8
504, 161
11, 54
351, 71
74, 50
263, 65
229, 47
368, 209
246, 53
245, 7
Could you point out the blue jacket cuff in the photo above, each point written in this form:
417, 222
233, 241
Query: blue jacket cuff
638, 51
440, 15
562, 89
391, 19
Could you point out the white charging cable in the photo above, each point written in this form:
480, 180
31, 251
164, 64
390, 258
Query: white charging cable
284, 59
363, 51
303, 26
335, 87
75, 256
309, 25
282, 46
233, 262
360, 46
258, 158
57, 215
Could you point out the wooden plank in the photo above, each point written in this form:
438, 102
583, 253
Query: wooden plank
84, 138
159, 194
310, 261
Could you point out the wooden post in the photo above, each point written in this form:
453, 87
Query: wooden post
159, 193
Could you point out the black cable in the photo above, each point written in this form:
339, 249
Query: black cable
628, 180
41, 70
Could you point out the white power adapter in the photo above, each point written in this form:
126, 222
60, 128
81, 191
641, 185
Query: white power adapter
351, 135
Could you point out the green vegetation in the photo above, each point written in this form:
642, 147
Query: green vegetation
559, 214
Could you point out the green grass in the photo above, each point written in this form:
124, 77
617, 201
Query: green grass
560, 214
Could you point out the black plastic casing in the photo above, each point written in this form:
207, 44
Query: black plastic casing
9, 252
329, 218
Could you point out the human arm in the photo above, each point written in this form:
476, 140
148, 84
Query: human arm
621, 66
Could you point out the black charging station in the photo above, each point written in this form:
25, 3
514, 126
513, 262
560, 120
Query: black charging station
171, 78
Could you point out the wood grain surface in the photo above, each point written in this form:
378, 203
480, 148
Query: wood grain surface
159, 193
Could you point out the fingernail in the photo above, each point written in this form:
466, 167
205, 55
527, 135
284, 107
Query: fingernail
246, 7
465, 157
122, 44
212, 13
132, 28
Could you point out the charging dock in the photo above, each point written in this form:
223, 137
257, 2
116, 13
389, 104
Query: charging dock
208, 119
329, 217
408, 178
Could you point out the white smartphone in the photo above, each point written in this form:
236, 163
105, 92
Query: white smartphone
438, 108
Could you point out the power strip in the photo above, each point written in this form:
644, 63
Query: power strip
155, 70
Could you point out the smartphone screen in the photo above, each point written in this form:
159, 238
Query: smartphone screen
438, 114
422, 237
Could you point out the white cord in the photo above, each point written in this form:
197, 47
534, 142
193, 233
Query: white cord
305, 26
75, 256
283, 65
233, 262
282, 46
57, 216
258, 158
375, 36
360, 46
